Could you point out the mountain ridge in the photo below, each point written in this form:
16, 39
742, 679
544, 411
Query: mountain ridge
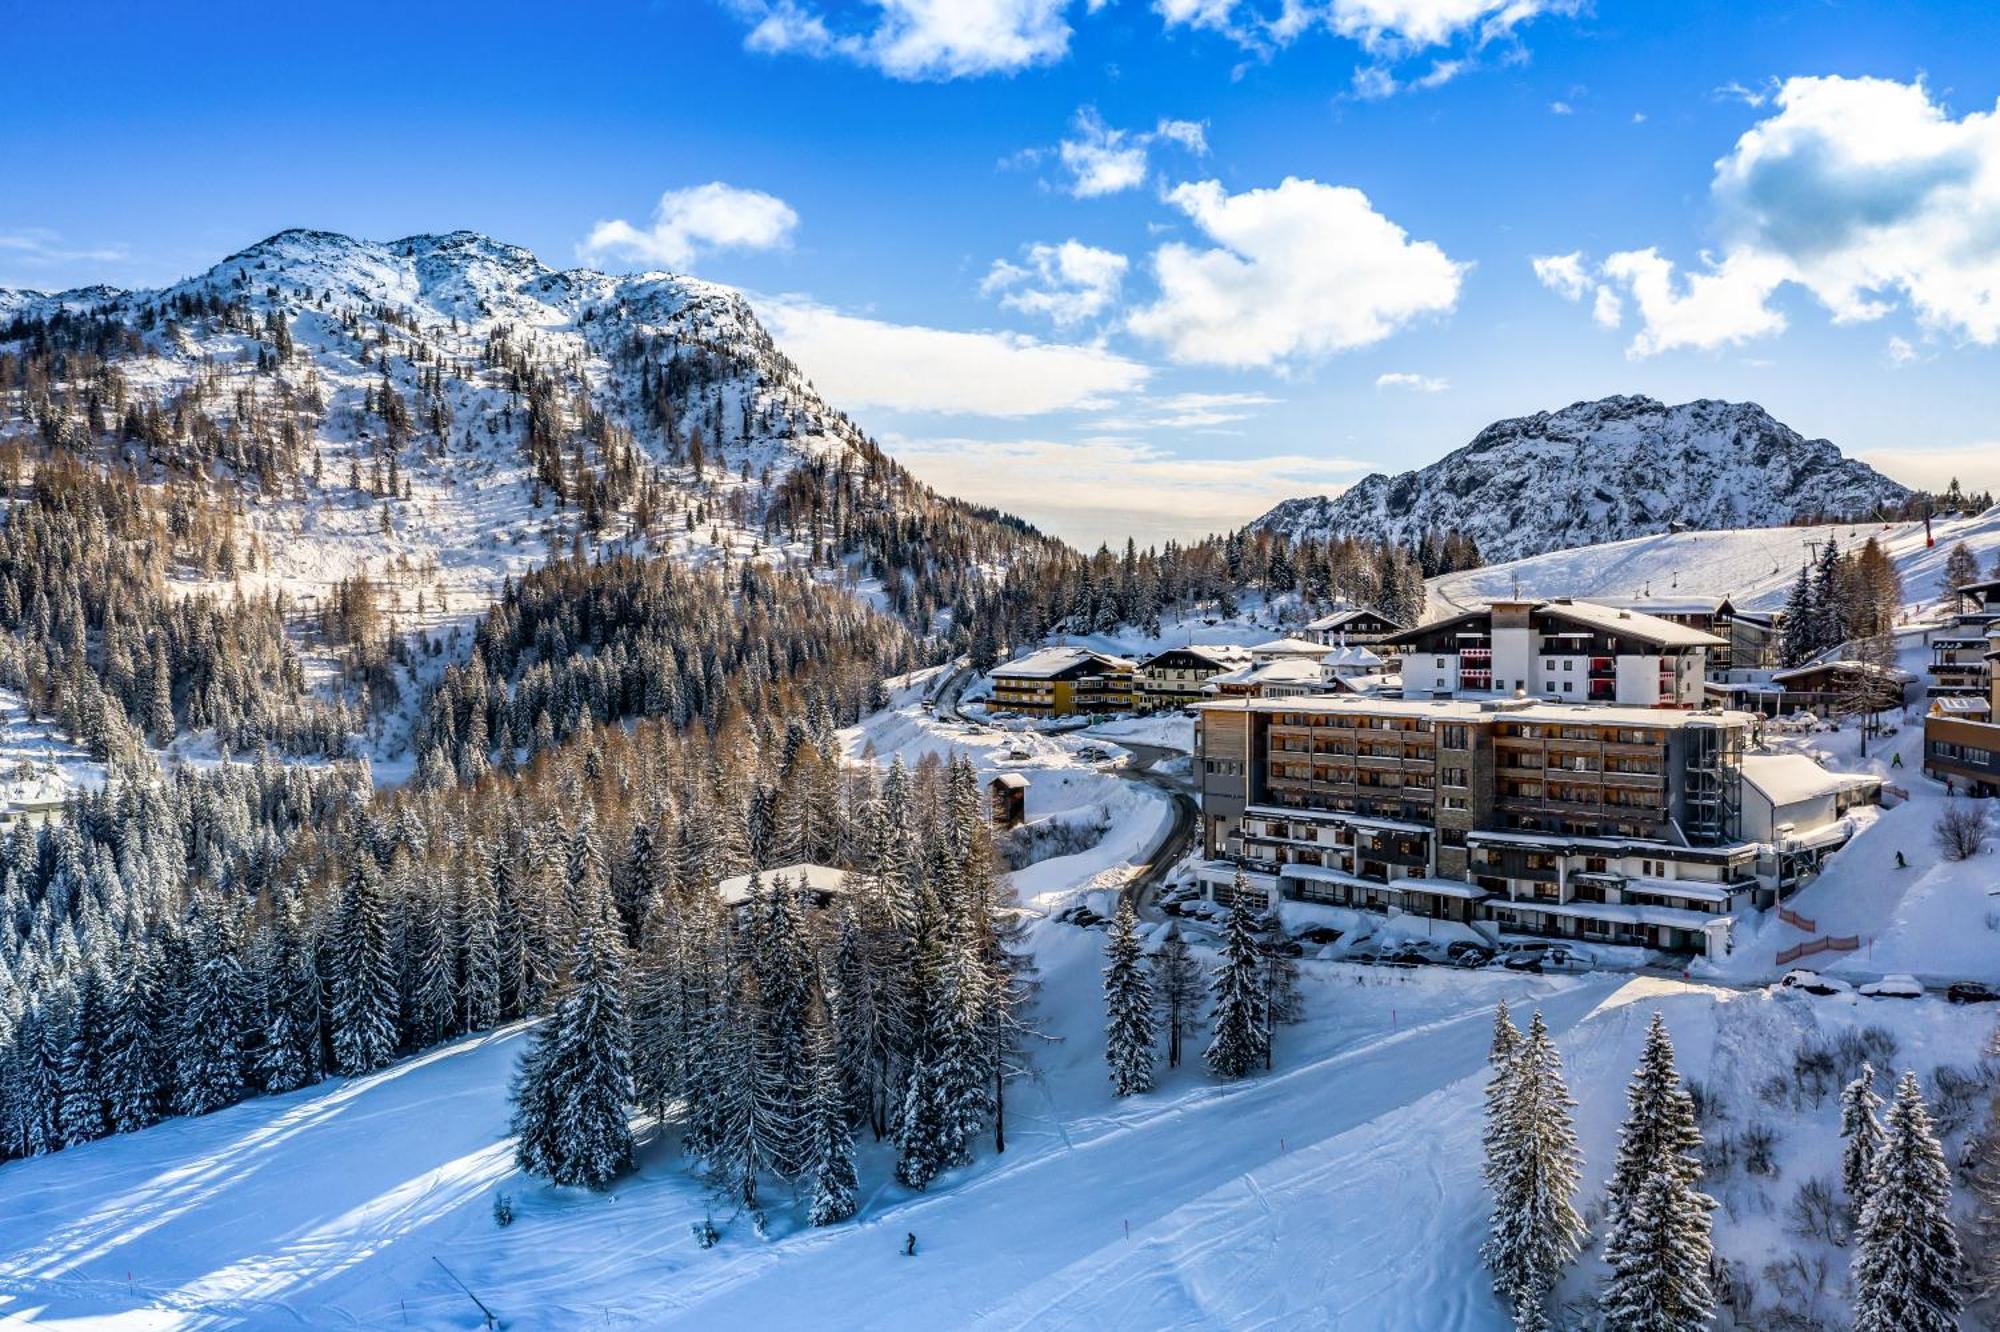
1602, 470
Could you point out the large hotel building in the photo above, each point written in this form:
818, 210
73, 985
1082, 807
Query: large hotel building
1619, 825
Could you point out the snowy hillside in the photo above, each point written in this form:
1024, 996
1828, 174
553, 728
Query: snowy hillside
1754, 566
422, 412
1602, 471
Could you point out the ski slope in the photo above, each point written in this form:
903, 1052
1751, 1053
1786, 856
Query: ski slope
1341, 1191
1754, 566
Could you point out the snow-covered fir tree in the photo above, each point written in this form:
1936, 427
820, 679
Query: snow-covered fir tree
362, 974
209, 1052
1658, 1233
1533, 1174
1906, 1263
1237, 1022
1861, 1138
835, 1186
290, 1056
1129, 1036
574, 1086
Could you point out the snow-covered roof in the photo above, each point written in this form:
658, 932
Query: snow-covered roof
1045, 663
1013, 781
1355, 657
1217, 654
1473, 709
1962, 705
1335, 619
1287, 671
1889, 673
1674, 605
1678, 918
1791, 779
1436, 887
819, 878
1632, 623
1288, 647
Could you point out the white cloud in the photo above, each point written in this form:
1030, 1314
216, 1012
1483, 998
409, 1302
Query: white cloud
1302, 270
1189, 411
1390, 29
1723, 306
1404, 380
1736, 92
1103, 160
1107, 488
1068, 283
917, 39
862, 362
39, 245
1563, 274
1866, 193
689, 222
1561, 109
1373, 83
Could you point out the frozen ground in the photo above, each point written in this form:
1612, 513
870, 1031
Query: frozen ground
38, 767
1935, 919
1340, 1191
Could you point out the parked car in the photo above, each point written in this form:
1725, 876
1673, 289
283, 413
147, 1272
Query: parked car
1971, 992
1092, 754
1898, 986
1811, 982
1017, 755
1522, 960
1567, 958
1471, 956
1318, 935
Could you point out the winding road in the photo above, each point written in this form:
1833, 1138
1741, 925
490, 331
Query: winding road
1143, 769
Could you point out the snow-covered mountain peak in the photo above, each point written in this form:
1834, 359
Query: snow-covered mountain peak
1606, 470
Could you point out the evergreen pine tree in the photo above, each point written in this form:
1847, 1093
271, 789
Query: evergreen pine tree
84, 1114
290, 1057
1128, 1006
835, 1187
131, 1054
1177, 989
1861, 1130
1658, 1230
1801, 621
575, 1083
1236, 1020
1499, 1088
209, 1057
362, 973
1906, 1255
1536, 1230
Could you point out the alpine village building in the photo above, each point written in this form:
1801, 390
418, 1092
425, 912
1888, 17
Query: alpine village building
1063, 682
1962, 716
1546, 773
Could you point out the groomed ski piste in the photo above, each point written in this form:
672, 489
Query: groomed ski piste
1755, 566
1339, 1190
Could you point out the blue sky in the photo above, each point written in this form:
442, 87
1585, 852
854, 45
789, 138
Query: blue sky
1148, 331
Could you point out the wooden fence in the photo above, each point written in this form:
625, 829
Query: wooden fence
1794, 919
1847, 944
